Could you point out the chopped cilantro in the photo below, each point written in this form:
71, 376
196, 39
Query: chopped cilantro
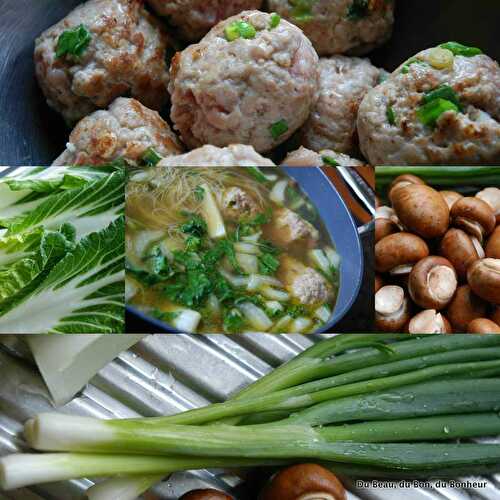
233, 321
268, 264
73, 42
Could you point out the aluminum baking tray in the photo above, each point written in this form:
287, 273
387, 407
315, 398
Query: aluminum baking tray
161, 375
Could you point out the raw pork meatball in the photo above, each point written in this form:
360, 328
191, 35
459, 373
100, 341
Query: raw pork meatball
304, 283
306, 158
127, 130
236, 155
192, 19
343, 82
115, 48
440, 107
340, 26
256, 90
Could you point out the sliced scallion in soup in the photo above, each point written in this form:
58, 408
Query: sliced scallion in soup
228, 250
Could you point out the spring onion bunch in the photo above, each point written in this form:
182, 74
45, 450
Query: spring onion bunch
364, 405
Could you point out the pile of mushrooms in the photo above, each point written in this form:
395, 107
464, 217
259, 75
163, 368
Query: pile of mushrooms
437, 258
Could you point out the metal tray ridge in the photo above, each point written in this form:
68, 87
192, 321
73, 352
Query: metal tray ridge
164, 374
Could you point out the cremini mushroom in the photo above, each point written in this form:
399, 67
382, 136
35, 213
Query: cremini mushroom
450, 197
421, 209
403, 180
483, 277
465, 307
461, 249
491, 195
386, 222
304, 482
432, 282
391, 309
429, 321
492, 248
397, 253
379, 282
206, 494
474, 216
483, 325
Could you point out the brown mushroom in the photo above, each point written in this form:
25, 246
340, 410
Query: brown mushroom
432, 282
386, 222
474, 216
304, 482
450, 197
461, 250
493, 246
403, 180
397, 253
207, 494
391, 309
429, 321
379, 282
491, 196
483, 277
421, 210
483, 325
465, 307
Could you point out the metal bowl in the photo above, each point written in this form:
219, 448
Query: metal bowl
342, 231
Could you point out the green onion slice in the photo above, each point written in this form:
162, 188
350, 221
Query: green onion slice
278, 129
275, 20
442, 92
461, 50
73, 42
150, 157
302, 10
391, 116
429, 113
239, 29
328, 160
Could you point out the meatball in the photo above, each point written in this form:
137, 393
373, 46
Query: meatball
237, 203
193, 18
437, 108
340, 26
306, 158
343, 82
304, 283
287, 228
236, 155
126, 130
124, 53
256, 90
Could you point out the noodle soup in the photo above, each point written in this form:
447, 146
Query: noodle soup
228, 250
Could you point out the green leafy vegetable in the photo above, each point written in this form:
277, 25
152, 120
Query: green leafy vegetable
73, 42
461, 50
278, 128
358, 10
268, 264
429, 113
199, 193
166, 316
233, 321
195, 226
150, 158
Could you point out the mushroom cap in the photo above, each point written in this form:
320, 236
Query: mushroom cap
404, 180
491, 195
206, 494
493, 246
384, 227
461, 250
399, 249
304, 481
465, 307
483, 277
421, 209
429, 321
391, 308
450, 197
483, 325
432, 282
474, 216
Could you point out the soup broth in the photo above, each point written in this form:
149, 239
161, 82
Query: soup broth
228, 250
